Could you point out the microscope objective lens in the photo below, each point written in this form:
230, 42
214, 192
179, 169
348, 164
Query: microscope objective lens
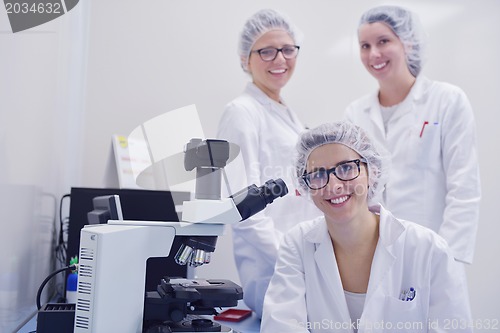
183, 255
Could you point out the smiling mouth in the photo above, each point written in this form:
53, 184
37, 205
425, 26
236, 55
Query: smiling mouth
339, 200
277, 71
380, 66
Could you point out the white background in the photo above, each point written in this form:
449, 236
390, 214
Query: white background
108, 66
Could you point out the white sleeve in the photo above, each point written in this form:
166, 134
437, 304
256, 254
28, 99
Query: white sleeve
460, 162
449, 308
255, 239
285, 307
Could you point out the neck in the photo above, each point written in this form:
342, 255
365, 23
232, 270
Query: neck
354, 245
272, 94
360, 235
395, 91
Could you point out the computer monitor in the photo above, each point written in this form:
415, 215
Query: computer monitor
135, 205
106, 207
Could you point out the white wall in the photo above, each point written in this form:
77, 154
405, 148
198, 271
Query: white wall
41, 94
148, 57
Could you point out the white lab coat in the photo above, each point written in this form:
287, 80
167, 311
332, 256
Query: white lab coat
306, 293
266, 133
434, 179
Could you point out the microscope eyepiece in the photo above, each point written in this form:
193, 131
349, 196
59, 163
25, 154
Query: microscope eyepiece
253, 199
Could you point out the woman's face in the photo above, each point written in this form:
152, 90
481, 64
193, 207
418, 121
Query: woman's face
382, 52
271, 76
340, 201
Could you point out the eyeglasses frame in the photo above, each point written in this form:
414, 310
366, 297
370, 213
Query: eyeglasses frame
332, 170
277, 51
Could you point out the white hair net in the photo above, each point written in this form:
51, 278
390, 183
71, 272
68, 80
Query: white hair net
354, 137
261, 22
406, 26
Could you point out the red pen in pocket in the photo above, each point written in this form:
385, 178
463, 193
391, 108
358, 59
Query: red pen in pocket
423, 127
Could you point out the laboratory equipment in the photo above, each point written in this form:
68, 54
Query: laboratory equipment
111, 295
136, 204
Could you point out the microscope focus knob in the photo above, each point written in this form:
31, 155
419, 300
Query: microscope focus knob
202, 323
159, 329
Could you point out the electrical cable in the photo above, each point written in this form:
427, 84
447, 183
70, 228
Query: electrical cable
47, 279
61, 246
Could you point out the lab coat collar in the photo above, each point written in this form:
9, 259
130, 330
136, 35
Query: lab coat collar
417, 93
420, 88
390, 228
259, 95
324, 253
281, 110
319, 232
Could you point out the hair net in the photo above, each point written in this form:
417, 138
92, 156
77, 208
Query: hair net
349, 135
406, 26
257, 25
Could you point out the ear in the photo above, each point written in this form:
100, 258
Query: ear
245, 64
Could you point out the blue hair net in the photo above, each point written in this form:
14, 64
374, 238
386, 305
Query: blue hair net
406, 26
257, 25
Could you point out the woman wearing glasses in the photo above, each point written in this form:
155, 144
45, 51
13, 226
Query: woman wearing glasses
265, 129
358, 268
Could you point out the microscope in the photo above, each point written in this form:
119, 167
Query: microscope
111, 294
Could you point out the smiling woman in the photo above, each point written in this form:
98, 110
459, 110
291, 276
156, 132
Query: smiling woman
428, 127
265, 128
358, 264
271, 74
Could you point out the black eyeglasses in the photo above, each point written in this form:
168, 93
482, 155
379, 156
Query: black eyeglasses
345, 171
270, 53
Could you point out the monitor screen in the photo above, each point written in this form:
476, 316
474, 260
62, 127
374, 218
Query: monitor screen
135, 205
106, 207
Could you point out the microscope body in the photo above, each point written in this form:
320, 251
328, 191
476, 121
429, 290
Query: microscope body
112, 270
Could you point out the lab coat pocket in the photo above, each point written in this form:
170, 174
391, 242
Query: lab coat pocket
406, 316
425, 145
